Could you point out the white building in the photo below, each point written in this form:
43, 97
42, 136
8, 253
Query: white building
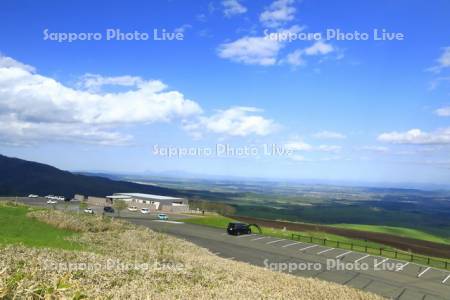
155, 202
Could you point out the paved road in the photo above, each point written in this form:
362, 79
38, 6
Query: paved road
386, 277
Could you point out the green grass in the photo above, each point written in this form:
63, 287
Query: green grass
213, 221
399, 231
222, 222
17, 228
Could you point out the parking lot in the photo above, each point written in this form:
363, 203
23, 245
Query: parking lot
388, 277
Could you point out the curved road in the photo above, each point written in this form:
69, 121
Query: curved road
388, 278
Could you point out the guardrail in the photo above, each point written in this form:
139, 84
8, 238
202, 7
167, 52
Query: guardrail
405, 256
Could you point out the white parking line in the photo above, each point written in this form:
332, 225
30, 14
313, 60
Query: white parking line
402, 267
307, 247
224, 233
246, 235
326, 250
288, 245
384, 260
361, 258
273, 242
260, 238
423, 272
343, 254
446, 278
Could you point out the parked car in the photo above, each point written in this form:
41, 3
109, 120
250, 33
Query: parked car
132, 208
89, 211
145, 210
51, 201
32, 196
49, 196
163, 217
108, 209
238, 228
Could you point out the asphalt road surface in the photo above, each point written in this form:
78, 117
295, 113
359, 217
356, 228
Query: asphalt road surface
386, 277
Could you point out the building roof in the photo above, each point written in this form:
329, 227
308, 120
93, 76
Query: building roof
118, 197
147, 196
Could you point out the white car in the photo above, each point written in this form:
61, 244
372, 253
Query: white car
50, 197
89, 211
145, 210
32, 196
52, 201
163, 217
132, 208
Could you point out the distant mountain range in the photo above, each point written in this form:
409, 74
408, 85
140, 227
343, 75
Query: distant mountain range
21, 177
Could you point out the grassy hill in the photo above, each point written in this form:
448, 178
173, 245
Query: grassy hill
399, 231
122, 261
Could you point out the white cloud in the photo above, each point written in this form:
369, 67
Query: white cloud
296, 58
299, 145
443, 111
319, 48
8, 62
235, 121
251, 50
329, 148
329, 135
233, 7
183, 28
417, 137
94, 82
278, 13
35, 105
14, 131
255, 50
443, 61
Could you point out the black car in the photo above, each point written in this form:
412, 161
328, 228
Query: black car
238, 228
108, 209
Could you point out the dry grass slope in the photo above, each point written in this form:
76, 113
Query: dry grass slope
190, 272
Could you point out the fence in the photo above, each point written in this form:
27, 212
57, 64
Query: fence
390, 253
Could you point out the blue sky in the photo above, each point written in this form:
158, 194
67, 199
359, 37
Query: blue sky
356, 110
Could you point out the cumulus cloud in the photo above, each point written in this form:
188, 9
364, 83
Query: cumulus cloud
255, 50
33, 105
95, 82
278, 13
14, 131
329, 135
233, 7
235, 121
417, 137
